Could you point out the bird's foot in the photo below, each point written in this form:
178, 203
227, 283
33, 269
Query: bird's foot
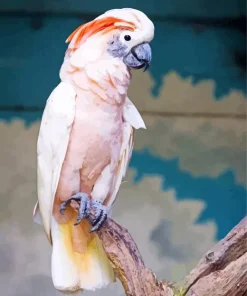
84, 206
100, 215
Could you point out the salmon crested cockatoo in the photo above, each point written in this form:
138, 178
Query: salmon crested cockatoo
85, 143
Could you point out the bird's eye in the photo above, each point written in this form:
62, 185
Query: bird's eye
127, 37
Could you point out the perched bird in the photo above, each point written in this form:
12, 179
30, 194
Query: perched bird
85, 143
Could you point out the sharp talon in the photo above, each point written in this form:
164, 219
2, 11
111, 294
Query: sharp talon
100, 223
100, 216
78, 221
93, 229
84, 206
97, 217
63, 207
81, 211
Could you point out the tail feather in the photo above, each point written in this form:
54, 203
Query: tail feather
76, 266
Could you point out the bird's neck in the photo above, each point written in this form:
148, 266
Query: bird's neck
107, 79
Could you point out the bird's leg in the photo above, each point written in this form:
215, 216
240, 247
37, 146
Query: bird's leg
84, 206
100, 215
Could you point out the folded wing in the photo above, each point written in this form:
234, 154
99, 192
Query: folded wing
55, 128
132, 120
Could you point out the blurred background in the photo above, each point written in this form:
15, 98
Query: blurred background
186, 185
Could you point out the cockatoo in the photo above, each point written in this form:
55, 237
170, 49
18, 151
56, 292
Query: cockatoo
85, 143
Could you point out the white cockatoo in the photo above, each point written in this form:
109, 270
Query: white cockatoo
85, 143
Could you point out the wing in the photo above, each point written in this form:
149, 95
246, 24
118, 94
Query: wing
132, 120
56, 124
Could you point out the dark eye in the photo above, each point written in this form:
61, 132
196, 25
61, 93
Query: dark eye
127, 37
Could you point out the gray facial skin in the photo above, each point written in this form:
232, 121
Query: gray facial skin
138, 57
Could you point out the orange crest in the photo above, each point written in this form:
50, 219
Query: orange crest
106, 24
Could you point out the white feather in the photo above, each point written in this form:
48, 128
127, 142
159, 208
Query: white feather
132, 115
145, 26
132, 119
53, 139
36, 214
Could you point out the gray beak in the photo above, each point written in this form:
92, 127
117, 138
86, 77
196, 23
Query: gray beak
139, 57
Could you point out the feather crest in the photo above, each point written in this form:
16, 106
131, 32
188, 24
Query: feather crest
105, 24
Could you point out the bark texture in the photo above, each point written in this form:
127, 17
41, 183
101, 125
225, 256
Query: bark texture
222, 271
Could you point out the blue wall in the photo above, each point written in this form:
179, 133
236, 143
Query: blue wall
31, 58
190, 8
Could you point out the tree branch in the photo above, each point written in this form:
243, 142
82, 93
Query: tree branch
221, 272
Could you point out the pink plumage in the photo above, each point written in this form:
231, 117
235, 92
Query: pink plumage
86, 140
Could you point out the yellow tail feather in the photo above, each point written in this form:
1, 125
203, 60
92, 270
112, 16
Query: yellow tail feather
78, 258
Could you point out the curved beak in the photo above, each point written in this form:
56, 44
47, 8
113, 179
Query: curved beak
139, 57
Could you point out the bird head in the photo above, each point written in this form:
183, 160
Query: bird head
122, 34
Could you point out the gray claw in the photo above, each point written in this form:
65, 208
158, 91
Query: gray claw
100, 215
84, 209
84, 206
64, 205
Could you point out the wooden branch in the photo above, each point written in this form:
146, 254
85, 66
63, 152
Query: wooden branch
221, 272
127, 262
221, 262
